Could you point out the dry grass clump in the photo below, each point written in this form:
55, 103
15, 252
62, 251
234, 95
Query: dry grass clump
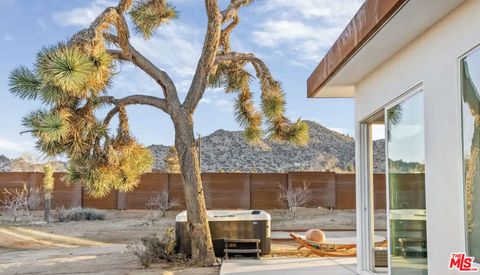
79, 214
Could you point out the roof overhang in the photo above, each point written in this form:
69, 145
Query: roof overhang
380, 29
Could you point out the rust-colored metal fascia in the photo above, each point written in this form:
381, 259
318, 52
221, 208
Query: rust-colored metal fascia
365, 24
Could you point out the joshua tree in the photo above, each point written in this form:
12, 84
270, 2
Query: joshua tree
72, 78
48, 182
171, 161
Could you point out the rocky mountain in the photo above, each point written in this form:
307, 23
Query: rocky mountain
25, 165
227, 151
4, 164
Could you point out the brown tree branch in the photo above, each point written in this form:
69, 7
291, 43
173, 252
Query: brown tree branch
135, 57
225, 35
159, 103
156, 102
124, 5
119, 55
232, 10
207, 59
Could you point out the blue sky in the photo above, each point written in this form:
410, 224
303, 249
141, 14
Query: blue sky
290, 36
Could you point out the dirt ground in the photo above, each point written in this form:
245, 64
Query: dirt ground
99, 247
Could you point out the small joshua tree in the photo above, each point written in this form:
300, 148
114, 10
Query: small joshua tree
162, 202
171, 161
72, 80
295, 197
48, 183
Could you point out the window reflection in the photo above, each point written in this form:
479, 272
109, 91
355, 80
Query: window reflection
406, 179
471, 147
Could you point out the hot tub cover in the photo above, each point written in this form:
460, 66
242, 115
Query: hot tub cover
230, 215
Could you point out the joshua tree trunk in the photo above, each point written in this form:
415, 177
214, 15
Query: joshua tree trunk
46, 214
201, 241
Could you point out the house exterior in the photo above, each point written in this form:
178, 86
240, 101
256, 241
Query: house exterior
414, 67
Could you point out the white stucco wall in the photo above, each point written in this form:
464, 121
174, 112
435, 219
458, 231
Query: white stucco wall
433, 61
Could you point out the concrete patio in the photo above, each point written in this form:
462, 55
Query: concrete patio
287, 266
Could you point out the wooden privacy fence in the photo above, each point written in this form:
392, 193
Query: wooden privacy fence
222, 190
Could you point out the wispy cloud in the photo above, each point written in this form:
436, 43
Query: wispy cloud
217, 102
82, 16
175, 48
302, 30
329, 10
305, 42
15, 146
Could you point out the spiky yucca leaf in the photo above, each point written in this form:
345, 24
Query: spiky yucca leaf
67, 68
51, 149
101, 72
236, 78
297, 133
54, 126
216, 78
24, 83
32, 120
148, 15
273, 104
52, 95
47, 126
96, 182
121, 169
248, 117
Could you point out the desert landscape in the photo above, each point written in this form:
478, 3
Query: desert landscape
100, 246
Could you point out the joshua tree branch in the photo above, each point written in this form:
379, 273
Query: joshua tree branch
232, 9
156, 102
235, 57
135, 57
207, 59
260, 67
124, 5
119, 55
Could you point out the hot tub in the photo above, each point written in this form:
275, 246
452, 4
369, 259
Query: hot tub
228, 224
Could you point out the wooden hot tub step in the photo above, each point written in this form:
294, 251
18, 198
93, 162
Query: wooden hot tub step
237, 246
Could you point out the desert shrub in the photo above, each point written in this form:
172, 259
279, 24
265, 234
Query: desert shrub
162, 202
151, 249
79, 214
295, 197
19, 202
60, 214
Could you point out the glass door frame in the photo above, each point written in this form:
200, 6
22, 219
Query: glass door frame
365, 195
364, 187
402, 98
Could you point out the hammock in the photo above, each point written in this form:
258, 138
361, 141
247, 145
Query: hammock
329, 249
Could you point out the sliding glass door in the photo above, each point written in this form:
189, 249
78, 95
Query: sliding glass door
406, 186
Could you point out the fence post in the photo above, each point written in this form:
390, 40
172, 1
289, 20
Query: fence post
250, 191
